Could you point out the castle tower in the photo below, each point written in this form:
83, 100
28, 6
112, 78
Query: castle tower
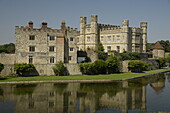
143, 26
94, 32
125, 32
82, 32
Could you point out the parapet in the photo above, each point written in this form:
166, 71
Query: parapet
125, 23
94, 18
143, 24
83, 19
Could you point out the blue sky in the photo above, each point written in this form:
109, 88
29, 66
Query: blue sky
20, 12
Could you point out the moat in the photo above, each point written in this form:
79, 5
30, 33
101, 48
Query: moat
149, 94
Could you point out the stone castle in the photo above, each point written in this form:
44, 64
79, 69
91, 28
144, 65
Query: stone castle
45, 46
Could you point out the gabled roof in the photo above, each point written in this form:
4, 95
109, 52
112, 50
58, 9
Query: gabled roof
158, 46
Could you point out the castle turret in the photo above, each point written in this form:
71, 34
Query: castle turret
82, 32
125, 35
143, 26
94, 31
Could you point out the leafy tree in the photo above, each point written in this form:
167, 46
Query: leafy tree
168, 58
150, 46
100, 47
1, 67
23, 68
137, 65
166, 45
162, 62
7, 48
59, 69
113, 64
125, 57
101, 54
135, 56
100, 66
87, 68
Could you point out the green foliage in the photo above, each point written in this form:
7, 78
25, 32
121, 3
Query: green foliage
87, 68
102, 55
23, 68
100, 66
137, 65
7, 48
59, 69
162, 62
149, 47
113, 64
135, 56
125, 57
166, 45
1, 67
168, 58
100, 47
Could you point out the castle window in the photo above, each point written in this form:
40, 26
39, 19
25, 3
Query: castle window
52, 37
108, 38
70, 57
108, 48
52, 59
71, 49
88, 39
30, 59
118, 37
32, 37
51, 48
32, 48
51, 104
101, 38
118, 49
71, 39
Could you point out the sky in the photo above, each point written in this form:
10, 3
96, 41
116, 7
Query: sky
20, 12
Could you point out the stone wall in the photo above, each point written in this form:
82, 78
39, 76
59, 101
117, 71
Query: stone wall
73, 69
7, 58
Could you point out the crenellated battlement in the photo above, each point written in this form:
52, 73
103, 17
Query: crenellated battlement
136, 30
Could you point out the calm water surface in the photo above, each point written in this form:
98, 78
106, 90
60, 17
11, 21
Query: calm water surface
150, 94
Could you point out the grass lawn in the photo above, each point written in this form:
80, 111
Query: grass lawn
84, 77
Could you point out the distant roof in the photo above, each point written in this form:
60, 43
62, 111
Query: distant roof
158, 46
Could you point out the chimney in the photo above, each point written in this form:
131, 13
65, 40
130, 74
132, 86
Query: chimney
44, 25
30, 24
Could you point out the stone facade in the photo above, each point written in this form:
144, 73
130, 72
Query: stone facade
45, 46
112, 37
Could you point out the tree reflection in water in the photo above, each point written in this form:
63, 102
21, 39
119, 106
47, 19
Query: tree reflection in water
120, 96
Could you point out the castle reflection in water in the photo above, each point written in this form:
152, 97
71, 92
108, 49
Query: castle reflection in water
79, 97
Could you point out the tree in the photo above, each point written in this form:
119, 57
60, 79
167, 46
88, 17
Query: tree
113, 64
1, 67
100, 66
162, 62
166, 45
59, 69
7, 48
137, 65
23, 68
168, 58
135, 56
101, 54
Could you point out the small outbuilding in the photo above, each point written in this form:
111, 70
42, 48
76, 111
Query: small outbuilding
158, 51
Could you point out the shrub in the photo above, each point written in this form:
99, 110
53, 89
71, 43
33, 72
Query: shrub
113, 64
135, 56
87, 68
161, 62
125, 57
137, 65
1, 67
23, 68
100, 66
59, 69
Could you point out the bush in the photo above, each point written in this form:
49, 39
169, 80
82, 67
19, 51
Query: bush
100, 66
87, 68
113, 64
137, 65
1, 67
23, 68
59, 69
161, 62
135, 56
125, 57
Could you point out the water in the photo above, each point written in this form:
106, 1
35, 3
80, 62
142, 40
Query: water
146, 95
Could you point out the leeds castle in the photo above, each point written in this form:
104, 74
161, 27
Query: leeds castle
45, 46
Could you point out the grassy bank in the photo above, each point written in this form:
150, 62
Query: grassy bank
121, 76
